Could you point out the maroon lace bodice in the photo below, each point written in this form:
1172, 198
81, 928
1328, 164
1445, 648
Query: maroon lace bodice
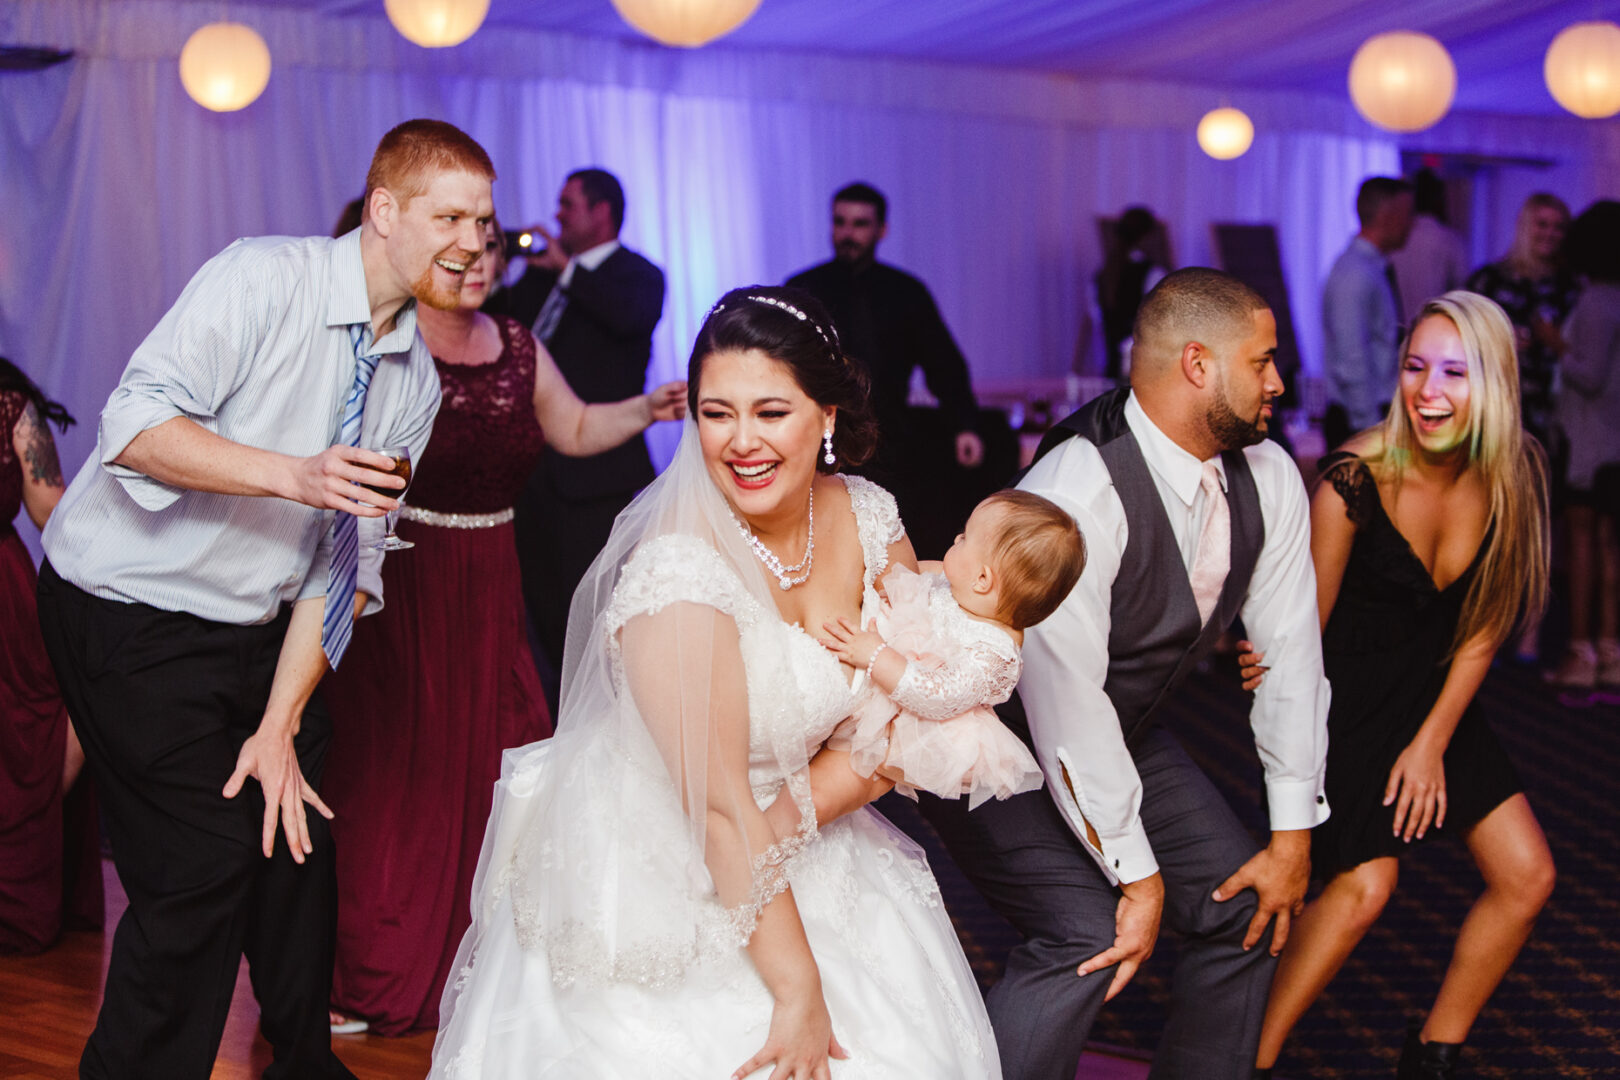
12, 405
486, 440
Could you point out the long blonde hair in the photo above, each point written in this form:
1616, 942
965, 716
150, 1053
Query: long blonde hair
1512, 578
1519, 257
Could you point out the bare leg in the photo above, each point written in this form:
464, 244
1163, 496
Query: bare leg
1319, 944
72, 760
1511, 853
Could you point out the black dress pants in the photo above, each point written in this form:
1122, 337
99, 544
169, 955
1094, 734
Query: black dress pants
163, 702
1022, 856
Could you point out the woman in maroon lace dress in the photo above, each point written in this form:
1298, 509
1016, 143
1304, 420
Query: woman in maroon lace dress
50, 861
440, 681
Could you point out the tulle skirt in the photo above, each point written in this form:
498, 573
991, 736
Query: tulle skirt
971, 754
902, 998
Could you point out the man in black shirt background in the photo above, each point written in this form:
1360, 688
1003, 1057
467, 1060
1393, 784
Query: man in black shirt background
887, 320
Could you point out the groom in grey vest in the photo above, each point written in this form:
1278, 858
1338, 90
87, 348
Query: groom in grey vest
1191, 519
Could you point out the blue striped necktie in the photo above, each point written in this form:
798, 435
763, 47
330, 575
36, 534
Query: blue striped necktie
338, 625
551, 313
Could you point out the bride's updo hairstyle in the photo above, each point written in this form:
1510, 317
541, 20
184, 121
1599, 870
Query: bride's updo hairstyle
793, 328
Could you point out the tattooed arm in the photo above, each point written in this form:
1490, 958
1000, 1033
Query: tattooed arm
41, 471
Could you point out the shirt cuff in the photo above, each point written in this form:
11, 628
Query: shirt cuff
320, 567
119, 426
368, 575
1296, 804
1129, 857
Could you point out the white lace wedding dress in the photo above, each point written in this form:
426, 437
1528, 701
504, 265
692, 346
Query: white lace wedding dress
539, 995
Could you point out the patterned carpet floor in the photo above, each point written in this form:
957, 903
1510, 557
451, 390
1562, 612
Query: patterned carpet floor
1558, 1013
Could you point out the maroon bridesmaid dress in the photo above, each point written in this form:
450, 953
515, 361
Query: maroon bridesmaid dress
50, 857
432, 689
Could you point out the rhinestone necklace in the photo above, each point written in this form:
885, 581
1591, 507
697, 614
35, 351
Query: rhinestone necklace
784, 574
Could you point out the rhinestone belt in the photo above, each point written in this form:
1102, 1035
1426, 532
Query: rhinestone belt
455, 521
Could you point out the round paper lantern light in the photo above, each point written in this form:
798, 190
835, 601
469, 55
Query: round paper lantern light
1402, 81
686, 23
225, 66
1225, 133
437, 24
1583, 69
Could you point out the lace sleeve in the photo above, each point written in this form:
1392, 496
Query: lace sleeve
1354, 482
979, 675
677, 569
877, 521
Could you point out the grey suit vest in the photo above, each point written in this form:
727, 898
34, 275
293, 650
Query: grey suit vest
1154, 637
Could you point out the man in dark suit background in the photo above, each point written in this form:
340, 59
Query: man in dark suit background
594, 304
888, 321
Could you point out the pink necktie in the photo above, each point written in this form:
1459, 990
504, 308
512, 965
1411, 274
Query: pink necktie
1213, 558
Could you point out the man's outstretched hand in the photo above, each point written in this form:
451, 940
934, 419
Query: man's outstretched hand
268, 757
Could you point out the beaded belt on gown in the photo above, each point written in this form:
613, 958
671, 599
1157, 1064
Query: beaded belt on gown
455, 521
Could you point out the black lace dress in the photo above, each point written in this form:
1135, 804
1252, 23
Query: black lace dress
1385, 649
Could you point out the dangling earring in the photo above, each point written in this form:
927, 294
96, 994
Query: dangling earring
826, 440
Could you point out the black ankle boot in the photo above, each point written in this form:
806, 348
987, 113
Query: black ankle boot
1261, 1074
1426, 1060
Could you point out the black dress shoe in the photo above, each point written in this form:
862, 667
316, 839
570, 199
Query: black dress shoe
1426, 1060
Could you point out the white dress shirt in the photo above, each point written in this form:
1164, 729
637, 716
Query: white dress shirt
590, 259
256, 350
1076, 732
1432, 262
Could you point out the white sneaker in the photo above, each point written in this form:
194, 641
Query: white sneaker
1608, 662
1579, 669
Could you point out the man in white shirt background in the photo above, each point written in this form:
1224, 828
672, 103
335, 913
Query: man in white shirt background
1191, 519
1433, 260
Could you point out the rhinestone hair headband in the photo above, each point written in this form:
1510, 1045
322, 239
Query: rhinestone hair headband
782, 305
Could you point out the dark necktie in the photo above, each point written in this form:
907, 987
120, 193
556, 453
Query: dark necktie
1395, 296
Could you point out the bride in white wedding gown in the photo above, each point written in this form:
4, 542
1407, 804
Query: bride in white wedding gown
635, 913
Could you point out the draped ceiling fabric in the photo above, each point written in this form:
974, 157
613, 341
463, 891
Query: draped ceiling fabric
118, 187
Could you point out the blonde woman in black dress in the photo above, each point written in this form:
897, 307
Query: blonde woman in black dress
1429, 538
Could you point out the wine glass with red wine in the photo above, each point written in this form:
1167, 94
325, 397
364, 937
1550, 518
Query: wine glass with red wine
401, 469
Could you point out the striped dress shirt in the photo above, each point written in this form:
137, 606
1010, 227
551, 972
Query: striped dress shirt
256, 350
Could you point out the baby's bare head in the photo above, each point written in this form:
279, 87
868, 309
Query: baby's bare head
1037, 553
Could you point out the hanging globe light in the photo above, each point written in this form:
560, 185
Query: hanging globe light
225, 66
686, 23
1225, 133
437, 24
1402, 81
1583, 69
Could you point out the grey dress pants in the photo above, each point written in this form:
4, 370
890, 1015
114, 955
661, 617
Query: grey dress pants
1022, 856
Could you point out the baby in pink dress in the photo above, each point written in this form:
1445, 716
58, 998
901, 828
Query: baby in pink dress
944, 648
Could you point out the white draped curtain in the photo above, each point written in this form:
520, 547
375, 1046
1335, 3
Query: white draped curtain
117, 187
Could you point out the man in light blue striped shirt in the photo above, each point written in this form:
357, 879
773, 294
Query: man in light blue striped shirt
184, 590
1361, 319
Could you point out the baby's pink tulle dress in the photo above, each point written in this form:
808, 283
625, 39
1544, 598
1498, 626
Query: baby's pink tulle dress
937, 732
